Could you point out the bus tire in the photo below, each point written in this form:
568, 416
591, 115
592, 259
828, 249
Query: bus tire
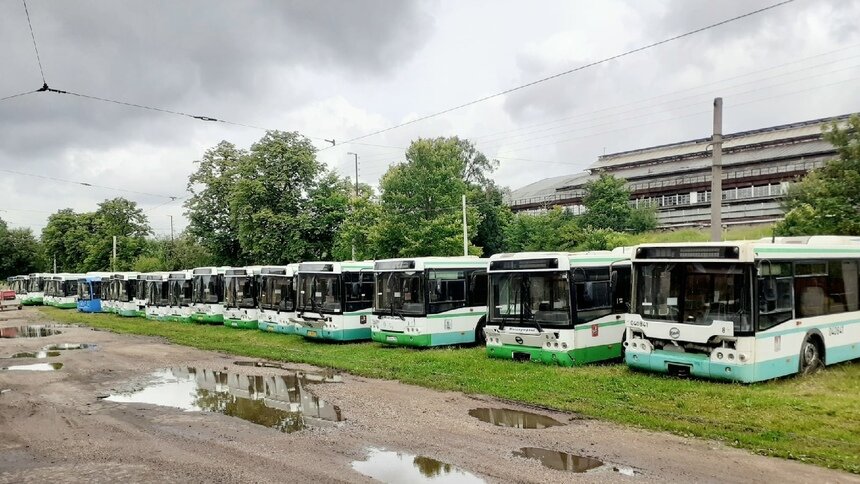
811, 354
480, 333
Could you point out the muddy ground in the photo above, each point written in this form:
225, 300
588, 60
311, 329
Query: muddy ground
57, 426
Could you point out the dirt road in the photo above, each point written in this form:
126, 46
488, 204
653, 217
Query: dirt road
74, 424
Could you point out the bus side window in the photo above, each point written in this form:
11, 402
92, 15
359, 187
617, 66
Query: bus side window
478, 283
842, 286
775, 294
810, 289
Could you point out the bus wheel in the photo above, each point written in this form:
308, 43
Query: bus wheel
811, 357
480, 334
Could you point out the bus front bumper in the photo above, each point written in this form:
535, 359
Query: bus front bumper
270, 327
241, 323
205, 318
357, 334
560, 357
689, 364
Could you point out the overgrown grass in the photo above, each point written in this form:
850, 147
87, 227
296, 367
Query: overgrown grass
754, 232
813, 419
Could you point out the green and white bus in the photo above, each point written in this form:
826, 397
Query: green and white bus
241, 289
61, 291
179, 290
745, 311
430, 301
21, 286
334, 300
157, 294
277, 302
129, 293
35, 290
207, 297
558, 308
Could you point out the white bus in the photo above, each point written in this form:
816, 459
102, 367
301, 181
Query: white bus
21, 286
61, 291
334, 300
745, 311
157, 292
558, 308
35, 290
241, 289
430, 301
277, 301
179, 288
207, 297
129, 293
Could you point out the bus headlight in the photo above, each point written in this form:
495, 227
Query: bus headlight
633, 344
564, 346
731, 356
742, 357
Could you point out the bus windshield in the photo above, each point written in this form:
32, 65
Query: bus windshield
533, 299
694, 293
179, 292
239, 291
319, 293
36, 284
84, 291
207, 289
400, 293
277, 293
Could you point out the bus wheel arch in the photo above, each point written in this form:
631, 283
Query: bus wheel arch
812, 356
480, 331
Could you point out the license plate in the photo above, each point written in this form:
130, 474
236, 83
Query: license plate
312, 333
392, 339
234, 324
270, 328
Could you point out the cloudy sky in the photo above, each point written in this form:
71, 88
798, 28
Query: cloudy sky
342, 69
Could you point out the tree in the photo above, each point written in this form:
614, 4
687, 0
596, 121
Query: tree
210, 218
122, 219
827, 199
555, 230
607, 203
327, 208
20, 252
357, 228
163, 254
67, 238
494, 216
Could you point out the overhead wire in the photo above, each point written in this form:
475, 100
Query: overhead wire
13, 96
570, 71
86, 184
36, 48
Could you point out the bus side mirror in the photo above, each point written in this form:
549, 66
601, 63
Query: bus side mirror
613, 280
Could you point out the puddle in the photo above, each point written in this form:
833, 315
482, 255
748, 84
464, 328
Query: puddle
395, 467
37, 354
327, 376
504, 417
69, 346
278, 402
36, 367
561, 461
28, 332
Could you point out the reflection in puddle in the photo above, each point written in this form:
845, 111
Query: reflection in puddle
323, 376
561, 461
70, 346
36, 367
395, 467
504, 417
27, 332
37, 354
278, 402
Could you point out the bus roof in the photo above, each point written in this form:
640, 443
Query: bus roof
288, 270
561, 261
422, 263
243, 271
208, 271
808, 247
335, 267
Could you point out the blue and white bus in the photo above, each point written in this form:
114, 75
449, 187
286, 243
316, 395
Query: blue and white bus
277, 301
90, 291
430, 301
745, 311
241, 290
334, 300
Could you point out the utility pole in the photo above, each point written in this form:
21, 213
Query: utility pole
465, 229
356, 193
55, 263
113, 263
717, 173
171, 228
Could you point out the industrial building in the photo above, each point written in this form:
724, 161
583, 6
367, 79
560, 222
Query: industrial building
758, 167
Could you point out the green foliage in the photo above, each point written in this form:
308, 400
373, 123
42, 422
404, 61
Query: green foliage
357, 228
555, 230
20, 252
494, 218
607, 201
163, 254
83, 242
827, 199
815, 417
148, 263
602, 239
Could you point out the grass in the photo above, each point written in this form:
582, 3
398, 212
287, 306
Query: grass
812, 419
753, 232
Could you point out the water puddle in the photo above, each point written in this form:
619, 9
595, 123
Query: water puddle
561, 461
326, 376
504, 417
70, 346
37, 354
396, 467
36, 367
280, 402
28, 332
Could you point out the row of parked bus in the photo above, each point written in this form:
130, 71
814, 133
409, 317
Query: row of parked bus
742, 311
